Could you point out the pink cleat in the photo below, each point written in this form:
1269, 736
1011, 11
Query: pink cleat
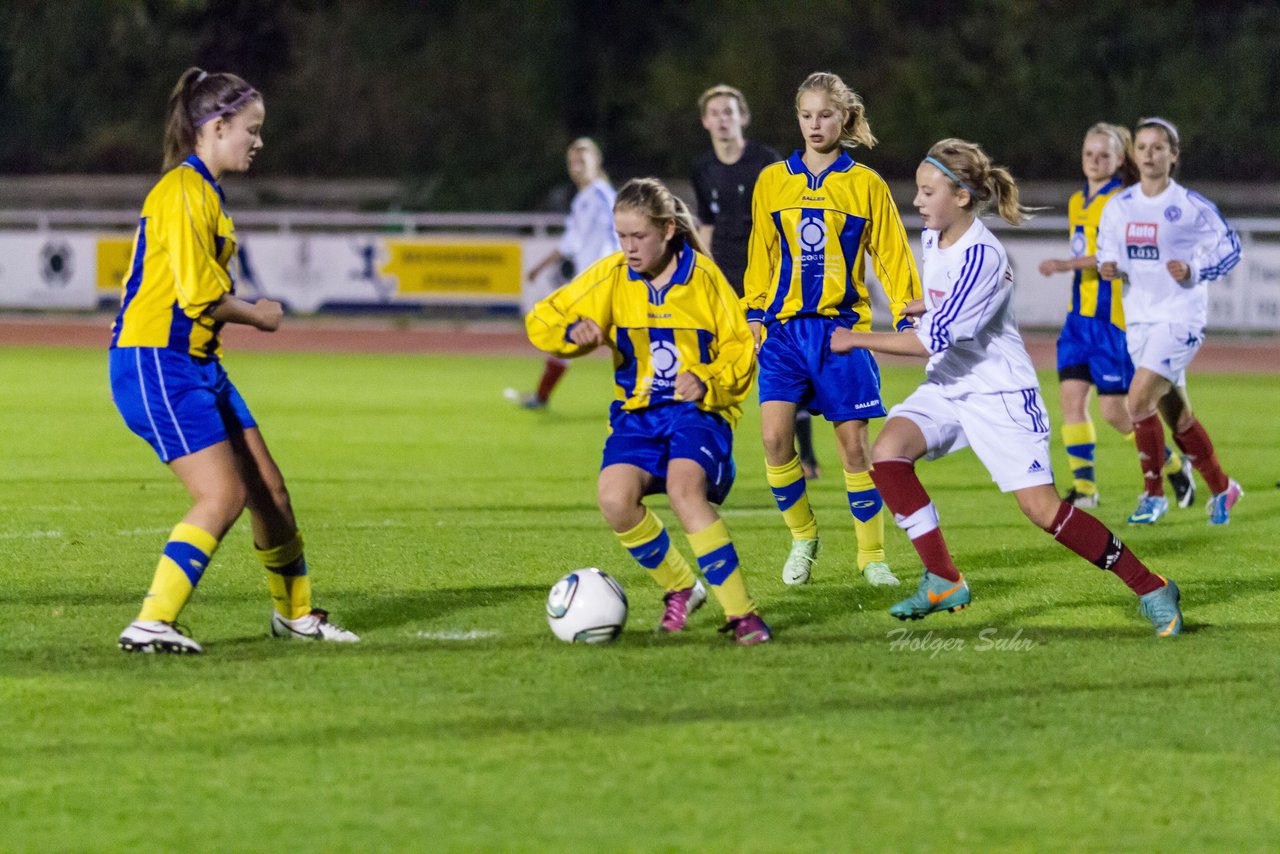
748, 629
679, 605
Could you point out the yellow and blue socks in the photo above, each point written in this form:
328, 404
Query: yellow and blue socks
287, 579
1081, 440
186, 556
650, 545
718, 561
868, 522
788, 486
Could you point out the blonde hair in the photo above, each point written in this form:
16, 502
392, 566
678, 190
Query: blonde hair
197, 98
650, 197
723, 90
1122, 142
971, 169
589, 145
856, 130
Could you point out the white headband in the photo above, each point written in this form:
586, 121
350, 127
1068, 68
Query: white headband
1155, 120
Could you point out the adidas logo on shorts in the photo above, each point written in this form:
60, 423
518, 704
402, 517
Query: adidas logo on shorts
1035, 468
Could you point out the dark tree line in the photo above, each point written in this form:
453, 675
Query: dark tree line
471, 102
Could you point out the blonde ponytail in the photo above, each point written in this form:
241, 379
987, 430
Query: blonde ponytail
650, 197
856, 130
969, 167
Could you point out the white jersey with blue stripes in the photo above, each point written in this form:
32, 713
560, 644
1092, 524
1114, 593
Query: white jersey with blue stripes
1142, 234
969, 326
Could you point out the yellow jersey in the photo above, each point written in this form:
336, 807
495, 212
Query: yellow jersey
694, 323
1091, 295
811, 236
181, 266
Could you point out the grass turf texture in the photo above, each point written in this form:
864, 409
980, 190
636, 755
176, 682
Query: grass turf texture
437, 516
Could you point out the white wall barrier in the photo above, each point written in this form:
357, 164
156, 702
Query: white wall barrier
76, 260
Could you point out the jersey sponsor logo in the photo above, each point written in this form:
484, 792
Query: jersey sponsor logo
1078, 245
936, 296
1141, 241
665, 359
1173, 213
811, 232
653, 316
813, 198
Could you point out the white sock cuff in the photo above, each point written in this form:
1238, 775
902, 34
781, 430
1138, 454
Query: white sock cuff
920, 522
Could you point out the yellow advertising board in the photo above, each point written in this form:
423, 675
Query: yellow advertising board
459, 268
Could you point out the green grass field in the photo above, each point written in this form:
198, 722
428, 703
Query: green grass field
437, 517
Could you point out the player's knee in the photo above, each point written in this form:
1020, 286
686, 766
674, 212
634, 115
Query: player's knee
225, 498
617, 506
779, 444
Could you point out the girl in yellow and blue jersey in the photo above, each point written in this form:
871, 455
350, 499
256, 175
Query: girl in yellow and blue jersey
683, 363
167, 378
817, 218
1092, 350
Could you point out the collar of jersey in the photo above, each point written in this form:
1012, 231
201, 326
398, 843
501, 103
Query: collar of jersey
1114, 184
684, 269
795, 165
197, 164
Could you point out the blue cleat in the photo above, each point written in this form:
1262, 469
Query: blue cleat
934, 594
1160, 606
1219, 506
1150, 509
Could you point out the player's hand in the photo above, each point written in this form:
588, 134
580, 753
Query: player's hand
689, 388
267, 315
586, 333
1180, 270
914, 308
1049, 266
1109, 271
757, 332
842, 341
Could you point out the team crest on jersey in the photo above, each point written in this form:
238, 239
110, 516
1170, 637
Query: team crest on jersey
1141, 241
811, 232
1173, 213
665, 359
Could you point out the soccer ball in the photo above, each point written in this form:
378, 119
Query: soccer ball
586, 606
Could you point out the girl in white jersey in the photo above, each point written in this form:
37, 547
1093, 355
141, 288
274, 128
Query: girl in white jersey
980, 391
588, 236
1168, 243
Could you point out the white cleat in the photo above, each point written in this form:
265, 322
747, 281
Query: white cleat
800, 562
313, 626
150, 636
877, 574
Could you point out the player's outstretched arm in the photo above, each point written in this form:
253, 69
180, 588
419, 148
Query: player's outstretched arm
264, 314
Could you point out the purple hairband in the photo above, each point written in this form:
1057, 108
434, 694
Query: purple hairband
245, 97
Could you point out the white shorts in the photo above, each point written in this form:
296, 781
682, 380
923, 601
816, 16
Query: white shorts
1009, 431
1164, 348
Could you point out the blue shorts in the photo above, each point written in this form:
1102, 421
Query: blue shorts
1094, 350
797, 366
649, 438
180, 404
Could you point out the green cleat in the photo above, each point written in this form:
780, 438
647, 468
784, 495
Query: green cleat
800, 561
1161, 607
878, 574
934, 594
